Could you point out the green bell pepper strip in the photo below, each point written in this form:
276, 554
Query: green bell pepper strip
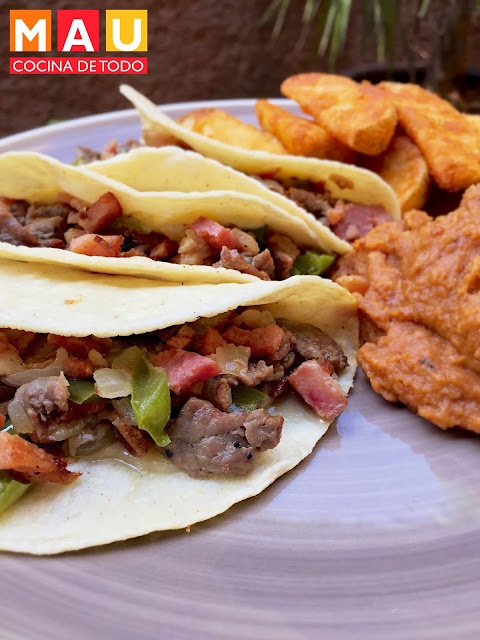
127, 359
8, 427
130, 223
81, 390
151, 399
246, 399
311, 263
10, 490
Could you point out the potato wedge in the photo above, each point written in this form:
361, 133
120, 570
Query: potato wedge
404, 168
360, 115
221, 126
448, 140
299, 136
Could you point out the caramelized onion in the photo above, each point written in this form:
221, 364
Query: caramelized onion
232, 360
23, 377
112, 383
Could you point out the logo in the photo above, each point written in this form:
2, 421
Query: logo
126, 31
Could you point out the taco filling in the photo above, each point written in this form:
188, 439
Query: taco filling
101, 229
202, 392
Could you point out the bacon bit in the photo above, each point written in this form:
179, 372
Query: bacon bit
101, 214
269, 175
91, 244
35, 464
337, 213
110, 149
79, 368
215, 234
138, 442
76, 203
317, 387
211, 341
18, 338
79, 346
262, 340
76, 411
182, 339
2, 420
164, 249
185, 368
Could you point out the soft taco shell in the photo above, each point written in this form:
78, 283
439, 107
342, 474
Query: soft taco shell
342, 181
38, 178
113, 500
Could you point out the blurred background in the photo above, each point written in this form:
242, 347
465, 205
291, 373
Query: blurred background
206, 49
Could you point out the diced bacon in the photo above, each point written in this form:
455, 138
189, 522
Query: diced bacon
33, 463
182, 339
91, 244
79, 346
101, 214
79, 368
136, 441
2, 420
185, 368
76, 411
211, 341
215, 234
317, 387
263, 341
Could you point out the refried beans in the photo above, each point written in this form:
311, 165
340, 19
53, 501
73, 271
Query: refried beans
418, 288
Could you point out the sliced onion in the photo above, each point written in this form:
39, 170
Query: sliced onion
90, 440
10, 363
53, 369
232, 360
125, 409
254, 318
112, 383
20, 420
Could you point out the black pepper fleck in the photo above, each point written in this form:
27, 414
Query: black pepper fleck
168, 453
249, 456
237, 444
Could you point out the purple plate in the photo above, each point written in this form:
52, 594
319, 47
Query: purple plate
374, 536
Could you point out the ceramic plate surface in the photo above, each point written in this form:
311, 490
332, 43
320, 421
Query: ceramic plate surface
376, 535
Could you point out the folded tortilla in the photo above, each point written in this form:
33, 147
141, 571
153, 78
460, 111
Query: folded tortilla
342, 181
118, 496
38, 178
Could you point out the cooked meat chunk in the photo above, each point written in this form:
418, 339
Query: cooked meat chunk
206, 441
357, 220
6, 392
84, 155
257, 372
218, 392
41, 397
312, 343
31, 462
49, 231
138, 442
284, 252
314, 203
264, 262
313, 381
231, 259
12, 231
56, 210
194, 250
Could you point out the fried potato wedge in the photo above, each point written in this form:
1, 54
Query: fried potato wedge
404, 168
299, 136
448, 140
359, 115
221, 126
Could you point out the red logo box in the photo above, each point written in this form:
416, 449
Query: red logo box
77, 30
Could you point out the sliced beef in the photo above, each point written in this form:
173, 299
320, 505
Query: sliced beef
41, 397
138, 442
284, 252
264, 262
257, 372
314, 203
206, 441
13, 232
56, 210
218, 392
29, 463
231, 259
312, 343
49, 231
84, 155
358, 220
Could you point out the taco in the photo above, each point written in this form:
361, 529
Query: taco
214, 390
346, 198
177, 235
